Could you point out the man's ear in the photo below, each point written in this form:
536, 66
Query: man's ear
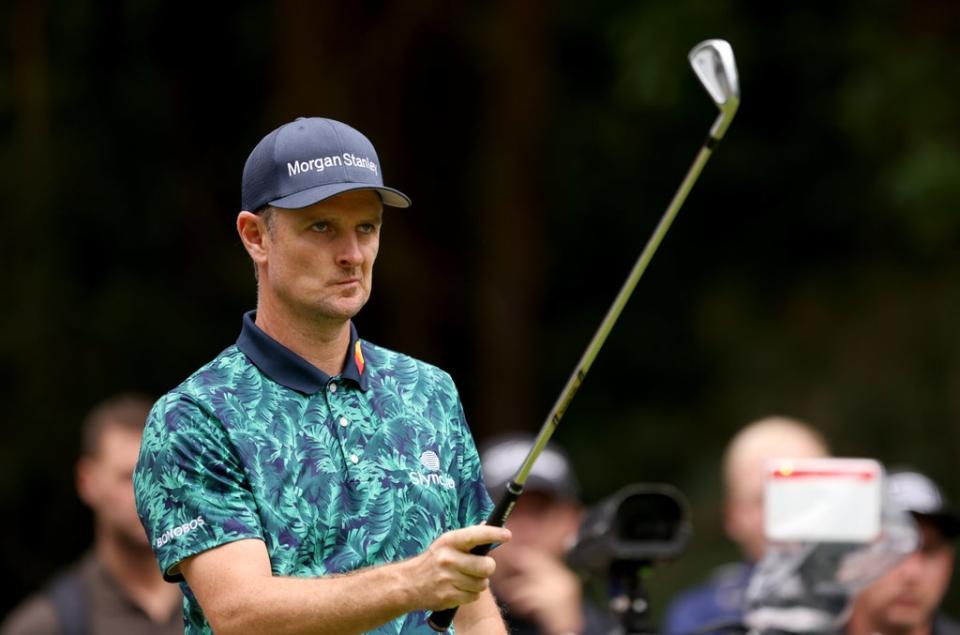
85, 481
733, 521
253, 232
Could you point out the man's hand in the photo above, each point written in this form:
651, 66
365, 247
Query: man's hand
537, 586
447, 574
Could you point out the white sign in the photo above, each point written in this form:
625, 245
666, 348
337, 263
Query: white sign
822, 500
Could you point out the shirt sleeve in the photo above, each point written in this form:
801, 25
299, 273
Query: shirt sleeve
191, 490
474, 499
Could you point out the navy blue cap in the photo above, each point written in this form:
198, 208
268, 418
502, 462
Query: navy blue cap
311, 159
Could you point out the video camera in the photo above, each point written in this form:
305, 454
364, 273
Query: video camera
830, 526
622, 536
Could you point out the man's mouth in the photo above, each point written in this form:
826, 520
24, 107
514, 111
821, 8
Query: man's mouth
907, 602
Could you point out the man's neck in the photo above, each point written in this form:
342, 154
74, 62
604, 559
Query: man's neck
323, 343
134, 569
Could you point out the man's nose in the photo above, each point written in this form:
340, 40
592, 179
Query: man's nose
348, 250
912, 566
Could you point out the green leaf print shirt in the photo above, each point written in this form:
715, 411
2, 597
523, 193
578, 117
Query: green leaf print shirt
332, 473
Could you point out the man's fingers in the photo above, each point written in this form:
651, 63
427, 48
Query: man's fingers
465, 563
469, 537
470, 584
453, 575
456, 583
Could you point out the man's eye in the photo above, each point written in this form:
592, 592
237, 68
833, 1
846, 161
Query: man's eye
367, 228
319, 227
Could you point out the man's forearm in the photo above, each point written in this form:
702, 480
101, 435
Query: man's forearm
336, 605
234, 586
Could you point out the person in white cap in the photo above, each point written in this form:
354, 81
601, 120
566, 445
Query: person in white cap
906, 600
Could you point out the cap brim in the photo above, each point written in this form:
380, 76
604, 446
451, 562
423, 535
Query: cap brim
946, 521
535, 483
304, 198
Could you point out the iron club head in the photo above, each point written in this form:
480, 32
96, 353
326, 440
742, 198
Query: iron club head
715, 66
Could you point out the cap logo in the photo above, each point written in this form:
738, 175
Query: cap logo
319, 164
430, 460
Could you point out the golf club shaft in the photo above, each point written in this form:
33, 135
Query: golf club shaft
440, 620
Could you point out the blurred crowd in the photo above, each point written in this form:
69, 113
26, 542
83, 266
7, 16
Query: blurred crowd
540, 594
116, 586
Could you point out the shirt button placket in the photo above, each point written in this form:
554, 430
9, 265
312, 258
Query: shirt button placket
343, 421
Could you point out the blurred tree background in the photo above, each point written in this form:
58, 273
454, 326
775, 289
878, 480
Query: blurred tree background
813, 271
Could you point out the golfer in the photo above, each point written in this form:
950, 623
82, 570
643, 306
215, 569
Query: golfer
306, 480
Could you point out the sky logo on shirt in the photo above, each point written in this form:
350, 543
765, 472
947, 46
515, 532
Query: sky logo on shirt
431, 461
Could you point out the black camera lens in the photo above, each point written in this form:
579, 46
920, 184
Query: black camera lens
648, 516
639, 523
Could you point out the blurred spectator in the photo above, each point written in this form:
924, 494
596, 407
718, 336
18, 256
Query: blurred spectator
116, 587
719, 602
905, 600
538, 592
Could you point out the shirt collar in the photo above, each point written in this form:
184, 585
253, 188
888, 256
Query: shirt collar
285, 367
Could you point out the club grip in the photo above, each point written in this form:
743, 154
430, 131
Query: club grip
440, 621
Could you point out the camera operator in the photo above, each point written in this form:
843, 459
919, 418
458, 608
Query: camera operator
905, 600
538, 592
720, 600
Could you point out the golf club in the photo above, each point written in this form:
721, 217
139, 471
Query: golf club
713, 62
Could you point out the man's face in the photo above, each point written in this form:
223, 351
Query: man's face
908, 595
540, 524
105, 483
746, 477
318, 260
743, 518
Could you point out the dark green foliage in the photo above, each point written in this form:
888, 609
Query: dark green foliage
815, 269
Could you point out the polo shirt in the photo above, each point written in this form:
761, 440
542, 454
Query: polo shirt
333, 473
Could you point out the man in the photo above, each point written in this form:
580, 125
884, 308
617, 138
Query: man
720, 601
540, 594
905, 600
306, 480
116, 587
